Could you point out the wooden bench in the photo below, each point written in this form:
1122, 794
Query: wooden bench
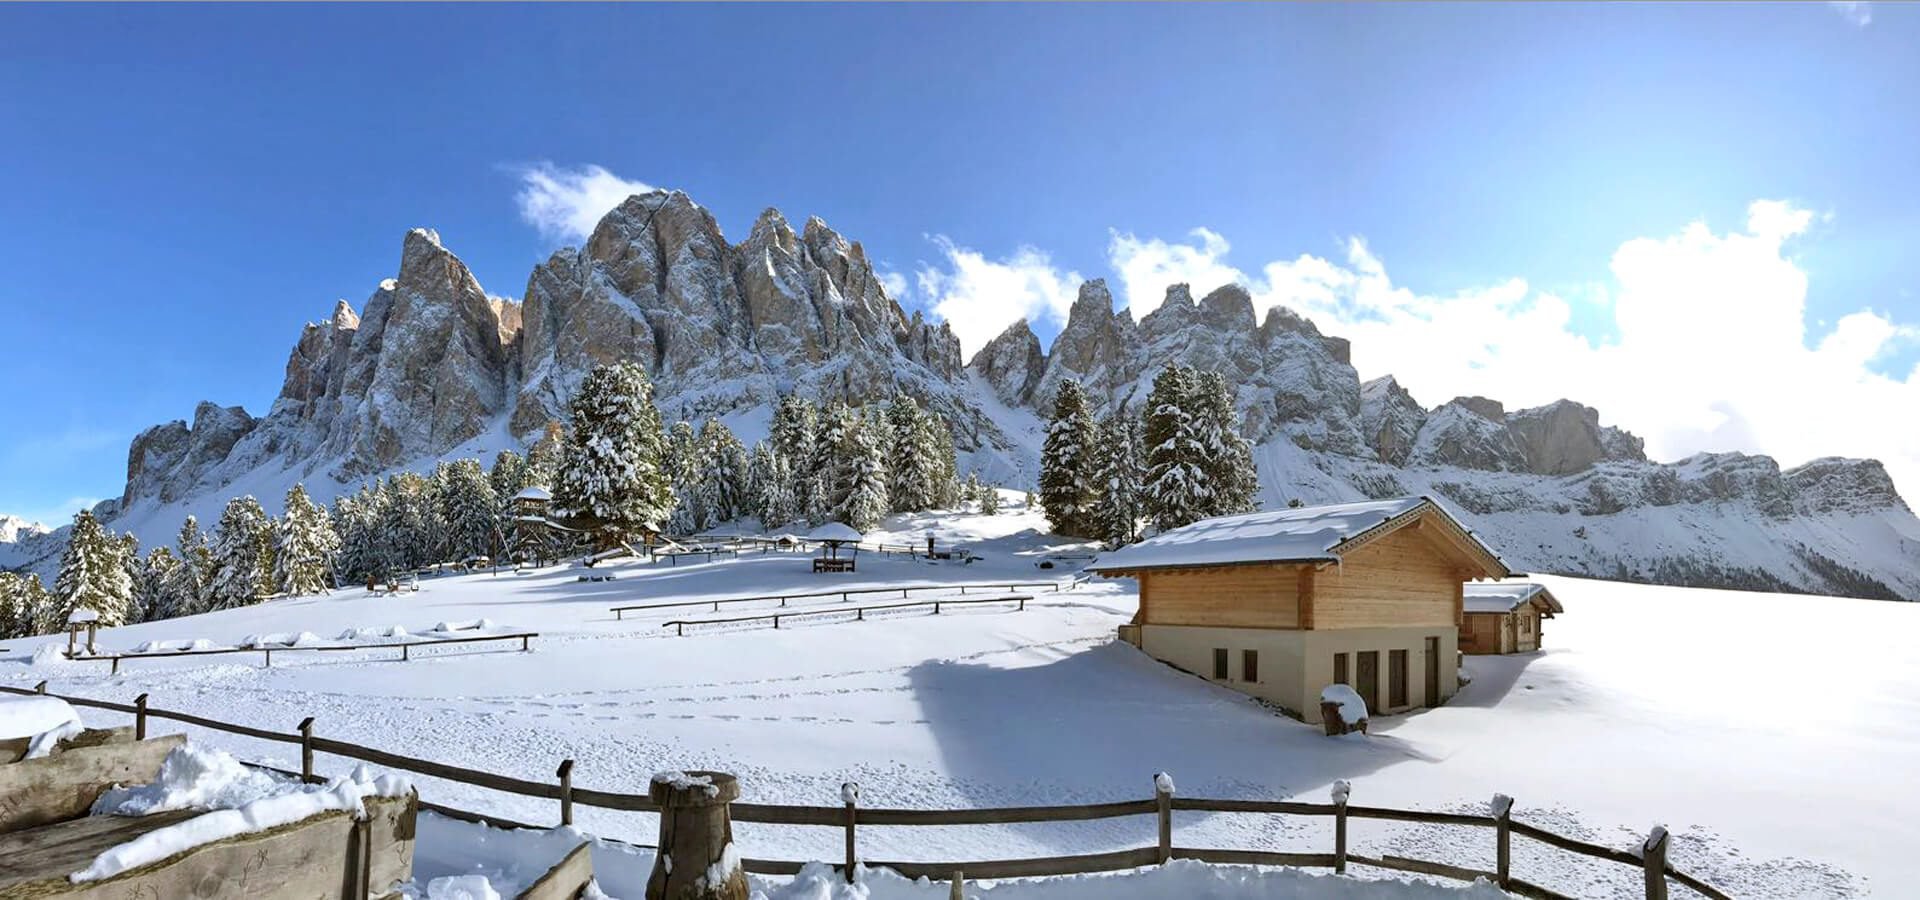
832, 564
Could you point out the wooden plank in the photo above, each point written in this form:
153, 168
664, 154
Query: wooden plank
1431, 818
63, 786
1304, 590
1696, 885
1005, 815
1262, 596
1575, 846
1028, 868
1424, 867
1255, 857
566, 880
473, 777
1283, 807
57, 848
1529, 889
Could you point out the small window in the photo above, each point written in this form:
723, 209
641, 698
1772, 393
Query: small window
1396, 678
1249, 665
1340, 669
1220, 663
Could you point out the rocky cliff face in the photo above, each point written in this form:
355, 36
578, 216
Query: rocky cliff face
434, 365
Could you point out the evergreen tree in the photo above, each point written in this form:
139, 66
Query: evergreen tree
127, 553
912, 465
196, 563
509, 478
154, 589
18, 607
306, 547
946, 464
795, 422
830, 467
469, 509
91, 576
973, 491
989, 500
1176, 490
613, 477
776, 504
1066, 463
360, 520
860, 472
407, 540
546, 457
242, 567
1226, 458
682, 469
1116, 517
723, 473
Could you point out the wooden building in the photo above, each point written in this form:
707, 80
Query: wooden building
1281, 604
1505, 617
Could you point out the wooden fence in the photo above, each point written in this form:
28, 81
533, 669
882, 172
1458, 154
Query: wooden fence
1648, 856
859, 612
404, 648
619, 612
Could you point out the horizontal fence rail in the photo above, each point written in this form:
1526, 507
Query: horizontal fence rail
1651, 856
405, 648
679, 626
845, 596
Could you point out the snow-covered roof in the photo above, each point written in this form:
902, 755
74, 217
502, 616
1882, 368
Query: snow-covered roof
834, 531
81, 615
1302, 534
1506, 596
533, 492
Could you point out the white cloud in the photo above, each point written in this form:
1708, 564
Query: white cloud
979, 297
58, 514
894, 283
1146, 268
1712, 352
566, 204
1858, 13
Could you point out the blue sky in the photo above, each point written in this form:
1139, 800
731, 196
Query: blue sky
184, 186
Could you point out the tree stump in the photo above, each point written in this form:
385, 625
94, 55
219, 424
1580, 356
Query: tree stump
697, 859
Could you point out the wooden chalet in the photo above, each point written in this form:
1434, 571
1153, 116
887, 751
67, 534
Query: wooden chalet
1506, 617
1281, 604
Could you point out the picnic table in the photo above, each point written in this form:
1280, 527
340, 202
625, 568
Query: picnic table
833, 564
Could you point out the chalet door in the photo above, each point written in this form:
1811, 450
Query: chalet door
1433, 671
1367, 677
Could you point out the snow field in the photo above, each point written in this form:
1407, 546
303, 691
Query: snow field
1716, 712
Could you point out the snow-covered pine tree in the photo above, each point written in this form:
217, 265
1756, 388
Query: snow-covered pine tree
153, 590
509, 478
16, 607
723, 473
795, 424
989, 500
759, 483
834, 432
1225, 455
305, 547
973, 491
912, 467
407, 541
197, 559
682, 465
91, 576
613, 479
469, 509
1176, 491
860, 465
127, 551
1066, 463
946, 474
360, 519
1116, 517
546, 456
241, 566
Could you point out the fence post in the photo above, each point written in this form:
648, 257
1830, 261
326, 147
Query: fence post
696, 830
269, 652
959, 891
306, 749
140, 718
1340, 790
523, 643
565, 774
850, 795
405, 653
1163, 796
40, 688
1654, 854
1503, 839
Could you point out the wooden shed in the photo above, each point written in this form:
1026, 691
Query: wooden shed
1505, 617
1281, 604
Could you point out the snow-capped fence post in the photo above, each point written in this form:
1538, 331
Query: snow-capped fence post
1340, 790
850, 795
140, 718
697, 859
1654, 854
40, 688
1503, 839
565, 774
1163, 798
306, 749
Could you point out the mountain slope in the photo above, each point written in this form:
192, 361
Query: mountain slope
435, 367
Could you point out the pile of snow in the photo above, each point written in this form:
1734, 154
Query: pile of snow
242, 801
455, 860
82, 615
175, 646
51, 653
366, 632
461, 887
277, 640
681, 781
47, 720
1353, 710
467, 625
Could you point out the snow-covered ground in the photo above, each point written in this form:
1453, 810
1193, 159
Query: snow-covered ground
1774, 734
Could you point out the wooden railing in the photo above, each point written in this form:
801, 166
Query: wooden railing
679, 626
1649, 856
269, 651
619, 612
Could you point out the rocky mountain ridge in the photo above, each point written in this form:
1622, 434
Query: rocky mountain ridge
433, 365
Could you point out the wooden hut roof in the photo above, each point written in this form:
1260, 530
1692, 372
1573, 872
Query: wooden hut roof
1308, 534
1504, 597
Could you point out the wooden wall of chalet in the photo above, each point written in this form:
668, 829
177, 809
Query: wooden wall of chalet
1484, 633
1401, 579
1256, 596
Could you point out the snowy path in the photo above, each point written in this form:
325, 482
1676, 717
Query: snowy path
1618, 725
